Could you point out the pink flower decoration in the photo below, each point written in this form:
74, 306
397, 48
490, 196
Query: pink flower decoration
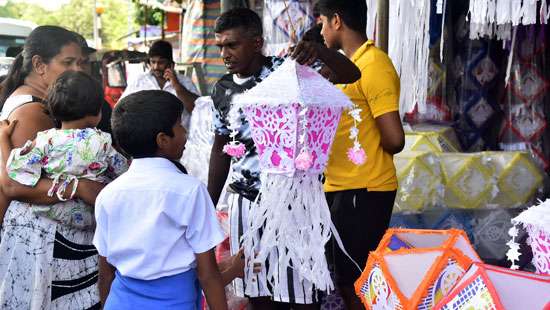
303, 161
357, 156
94, 166
234, 149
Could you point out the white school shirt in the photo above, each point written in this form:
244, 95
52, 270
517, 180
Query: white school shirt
153, 219
147, 81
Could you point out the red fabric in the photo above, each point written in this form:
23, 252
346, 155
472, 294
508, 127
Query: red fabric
112, 94
172, 22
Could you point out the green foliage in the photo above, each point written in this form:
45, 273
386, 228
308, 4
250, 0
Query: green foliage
154, 16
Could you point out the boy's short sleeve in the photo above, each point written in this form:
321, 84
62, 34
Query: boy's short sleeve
203, 231
101, 228
382, 90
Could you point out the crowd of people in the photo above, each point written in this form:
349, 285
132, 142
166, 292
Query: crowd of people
97, 210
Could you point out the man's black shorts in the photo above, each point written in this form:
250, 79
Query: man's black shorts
361, 218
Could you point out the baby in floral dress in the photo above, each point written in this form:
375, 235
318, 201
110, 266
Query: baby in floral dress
76, 150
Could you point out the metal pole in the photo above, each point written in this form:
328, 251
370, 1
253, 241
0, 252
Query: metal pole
182, 15
226, 5
145, 26
129, 20
382, 24
96, 28
162, 24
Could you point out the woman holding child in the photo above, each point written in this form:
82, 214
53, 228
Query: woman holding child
45, 263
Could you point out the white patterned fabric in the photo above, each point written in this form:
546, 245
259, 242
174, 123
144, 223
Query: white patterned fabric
44, 265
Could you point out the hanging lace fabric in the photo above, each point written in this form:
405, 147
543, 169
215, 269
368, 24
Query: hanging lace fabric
490, 18
372, 10
409, 41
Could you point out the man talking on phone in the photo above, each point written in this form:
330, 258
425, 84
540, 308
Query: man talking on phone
161, 76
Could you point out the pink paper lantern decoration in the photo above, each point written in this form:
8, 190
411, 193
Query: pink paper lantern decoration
276, 133
293, 116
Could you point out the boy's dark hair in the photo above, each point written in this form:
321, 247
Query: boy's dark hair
315, 10
74, 95
138, 118
162, 49
352, 12
243, 18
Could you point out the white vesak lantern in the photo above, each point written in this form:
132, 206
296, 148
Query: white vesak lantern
536, 220
293, 116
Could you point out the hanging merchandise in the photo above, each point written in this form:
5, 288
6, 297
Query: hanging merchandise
475, 74
438, 107
197, 40
333, 301
419, 181
518, 178
293, 115
280, 19
431, 138
536, 220
372, 11
409, 50
414, 269
496, 288
487, 229
490, 230
445, 218
407, 220
490, 18
525, 127
468, 179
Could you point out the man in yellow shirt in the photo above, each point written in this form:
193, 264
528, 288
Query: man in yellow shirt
361, 197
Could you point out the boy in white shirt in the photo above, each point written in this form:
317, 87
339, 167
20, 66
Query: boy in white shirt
156, 226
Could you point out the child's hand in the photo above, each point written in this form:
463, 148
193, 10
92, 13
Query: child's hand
6, 128
238, 264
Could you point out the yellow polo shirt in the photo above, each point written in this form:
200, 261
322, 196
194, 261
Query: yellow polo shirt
376, 93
